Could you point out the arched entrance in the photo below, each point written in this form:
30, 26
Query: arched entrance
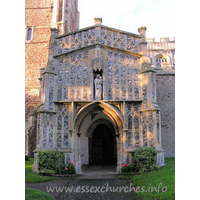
108, 115
103, 146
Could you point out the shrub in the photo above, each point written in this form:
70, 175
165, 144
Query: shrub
128, 168
146, 158
143, 159
70, 168
51, 162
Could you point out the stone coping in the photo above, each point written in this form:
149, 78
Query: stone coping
64, 150
159, 49
166, 74
148, 70
101, 26
46, 111
46, 71
36, 109
146, 110
90, 101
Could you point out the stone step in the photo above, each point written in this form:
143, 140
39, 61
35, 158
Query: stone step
98, 175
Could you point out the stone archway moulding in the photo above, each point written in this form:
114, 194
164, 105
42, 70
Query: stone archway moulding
114, 114
96, 123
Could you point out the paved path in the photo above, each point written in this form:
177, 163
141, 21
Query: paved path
86, 189
42, 186
96, 182
110, 189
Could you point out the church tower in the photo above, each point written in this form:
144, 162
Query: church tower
40, 17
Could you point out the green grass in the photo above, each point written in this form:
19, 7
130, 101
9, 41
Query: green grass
32, 177
122, 176
32, 194
165, 175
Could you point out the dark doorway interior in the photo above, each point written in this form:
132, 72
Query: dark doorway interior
103, 146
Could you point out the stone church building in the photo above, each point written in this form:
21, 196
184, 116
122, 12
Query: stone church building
101, 95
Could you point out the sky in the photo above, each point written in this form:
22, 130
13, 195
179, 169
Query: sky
129, 15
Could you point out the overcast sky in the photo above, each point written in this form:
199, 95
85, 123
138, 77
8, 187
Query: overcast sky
129, 15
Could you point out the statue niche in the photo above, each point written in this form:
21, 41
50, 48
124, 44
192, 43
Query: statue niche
98, 85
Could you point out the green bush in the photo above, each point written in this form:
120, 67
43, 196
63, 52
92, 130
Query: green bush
70, 168
128, 168
51, 162
143, 159
146, 158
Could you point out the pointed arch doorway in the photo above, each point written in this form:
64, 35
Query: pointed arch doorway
110, 116
102, 143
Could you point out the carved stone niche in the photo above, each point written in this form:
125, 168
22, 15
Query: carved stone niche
98, 64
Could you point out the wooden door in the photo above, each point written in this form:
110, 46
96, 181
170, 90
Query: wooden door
102, 145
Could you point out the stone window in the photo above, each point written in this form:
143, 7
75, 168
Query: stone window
161, 60
158, 62
29, 34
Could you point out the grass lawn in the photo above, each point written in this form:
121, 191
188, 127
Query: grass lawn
32, 177
32, 194
165, 176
